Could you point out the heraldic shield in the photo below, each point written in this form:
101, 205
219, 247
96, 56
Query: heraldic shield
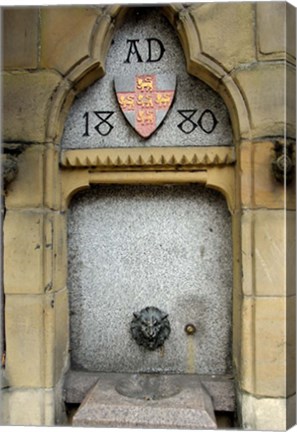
145, 99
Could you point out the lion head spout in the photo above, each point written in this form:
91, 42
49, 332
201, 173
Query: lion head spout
150, 327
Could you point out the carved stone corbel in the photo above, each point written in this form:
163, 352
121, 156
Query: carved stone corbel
9, 163
9, 169
283, 164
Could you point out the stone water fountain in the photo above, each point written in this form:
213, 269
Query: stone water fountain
150, 336
148, 400
150, 268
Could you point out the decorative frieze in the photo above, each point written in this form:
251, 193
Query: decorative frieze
174, 158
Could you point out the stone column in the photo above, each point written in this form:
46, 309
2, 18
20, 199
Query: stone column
36, 304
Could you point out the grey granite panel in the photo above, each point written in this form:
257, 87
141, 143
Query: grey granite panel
191, 94
125, 83
137, 246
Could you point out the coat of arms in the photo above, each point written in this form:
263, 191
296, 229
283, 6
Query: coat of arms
145, 100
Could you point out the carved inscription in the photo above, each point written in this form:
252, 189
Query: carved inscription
207, 121
103, 128
155, 50
144, 102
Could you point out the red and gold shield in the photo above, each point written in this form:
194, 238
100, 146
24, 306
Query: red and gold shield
145, 100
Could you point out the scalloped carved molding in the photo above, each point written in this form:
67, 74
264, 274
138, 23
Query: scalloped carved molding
80, 173
182, 158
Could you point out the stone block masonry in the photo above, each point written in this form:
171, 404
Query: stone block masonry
246, 53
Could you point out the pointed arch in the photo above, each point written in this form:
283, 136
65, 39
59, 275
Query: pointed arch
91, 68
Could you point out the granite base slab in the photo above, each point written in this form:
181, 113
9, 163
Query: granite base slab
104, 406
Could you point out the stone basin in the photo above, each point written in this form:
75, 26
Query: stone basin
148, 386
147, 401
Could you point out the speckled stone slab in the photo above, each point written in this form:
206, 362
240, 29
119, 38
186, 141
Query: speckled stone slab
103, 406
220, 387
137, 246
197, 117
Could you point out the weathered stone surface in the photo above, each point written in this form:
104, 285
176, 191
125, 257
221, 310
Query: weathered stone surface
290, 322
9, 168
66, 36
291, 411
61, 334
266, 360
276, 29
268, 252
132, 247
29, 407
34, 246
259, 189
20, 38
24, 340
77, 384
271, 110
191, 94
254, 413
191, 408
226, 32
275, 373
52, 188
26, 98
23, 252
27, 189
37, 338
221, 390
59, 250
35, 252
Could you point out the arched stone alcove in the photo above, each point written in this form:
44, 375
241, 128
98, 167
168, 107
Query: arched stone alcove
170, 157
67, 50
